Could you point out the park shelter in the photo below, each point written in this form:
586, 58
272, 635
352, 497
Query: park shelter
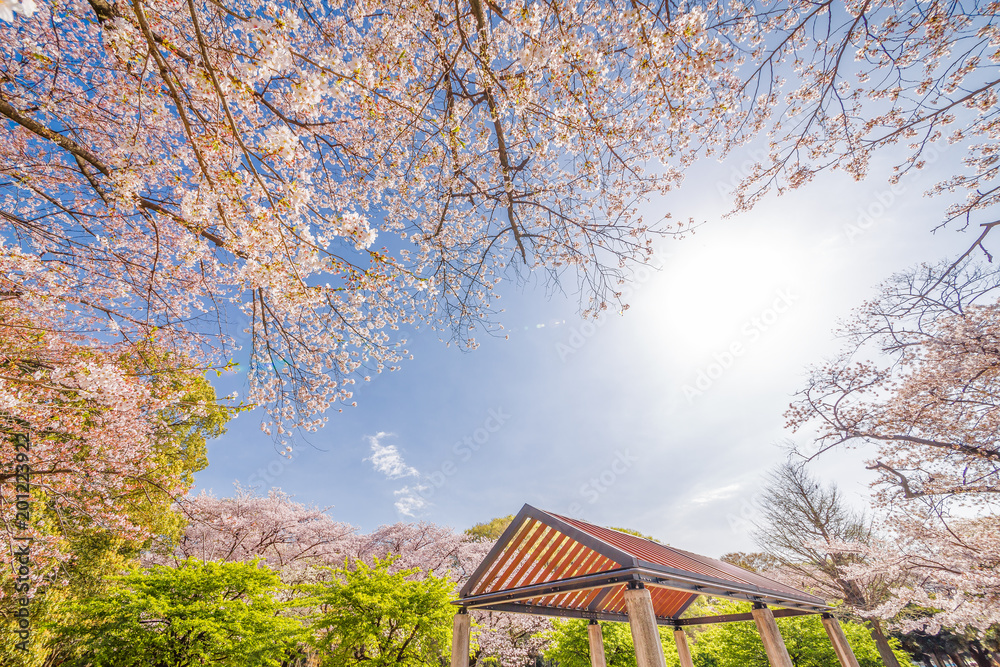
553, 565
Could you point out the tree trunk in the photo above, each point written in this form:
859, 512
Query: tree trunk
884, 650
956, 658
981, 656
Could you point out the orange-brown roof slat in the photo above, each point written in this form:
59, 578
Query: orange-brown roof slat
557, 565
509, 565
586, 564
580, 599
667, 602
506, 554
615, 601
531, 575
551, 565
564, 561
586, 597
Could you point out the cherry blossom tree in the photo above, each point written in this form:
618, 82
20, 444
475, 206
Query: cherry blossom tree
424, 545
290, 537
943, 568
111, 446
293, 537
167, 164
510, 639
177, 164
917, 386
917, 393
813, 540
836, 84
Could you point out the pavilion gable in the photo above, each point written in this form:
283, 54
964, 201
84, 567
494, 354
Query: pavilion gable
549, 564
538, 548
558, 566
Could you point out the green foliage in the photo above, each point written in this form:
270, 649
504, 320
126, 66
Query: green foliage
569, 645
181, 448
96, 561
222, 614
636, 533
96, 555
721, 645
371, 616
755, 561
490, 530
739, 644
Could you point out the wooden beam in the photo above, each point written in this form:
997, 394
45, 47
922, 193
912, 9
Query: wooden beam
523, 608
460, 639
774, 645
579, 583
732, 618
839, 641
682, 648
621, 576
618, 617
597, 658
645, 634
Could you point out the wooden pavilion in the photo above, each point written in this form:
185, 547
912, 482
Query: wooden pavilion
556, 566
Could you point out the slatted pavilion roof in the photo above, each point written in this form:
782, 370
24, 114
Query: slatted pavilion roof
553, 565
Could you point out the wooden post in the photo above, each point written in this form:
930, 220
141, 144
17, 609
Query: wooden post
597, 658
774, 645
882, 644
645, 634
839, 641
682, 648
460, 639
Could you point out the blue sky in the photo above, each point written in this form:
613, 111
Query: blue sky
662, 419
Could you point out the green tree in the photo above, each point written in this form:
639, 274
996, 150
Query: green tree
636, 533
182, 444
222, 614
755, 561
739, 644
569, 645
371, 616
83, 552
490, 530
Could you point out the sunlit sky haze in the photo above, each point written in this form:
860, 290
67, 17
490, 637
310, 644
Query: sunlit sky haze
662, 419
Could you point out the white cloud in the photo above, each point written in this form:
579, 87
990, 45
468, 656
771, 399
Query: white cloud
409, 502
387, 460
713, 495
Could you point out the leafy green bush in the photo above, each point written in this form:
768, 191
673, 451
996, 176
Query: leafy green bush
378, 618
221, 614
